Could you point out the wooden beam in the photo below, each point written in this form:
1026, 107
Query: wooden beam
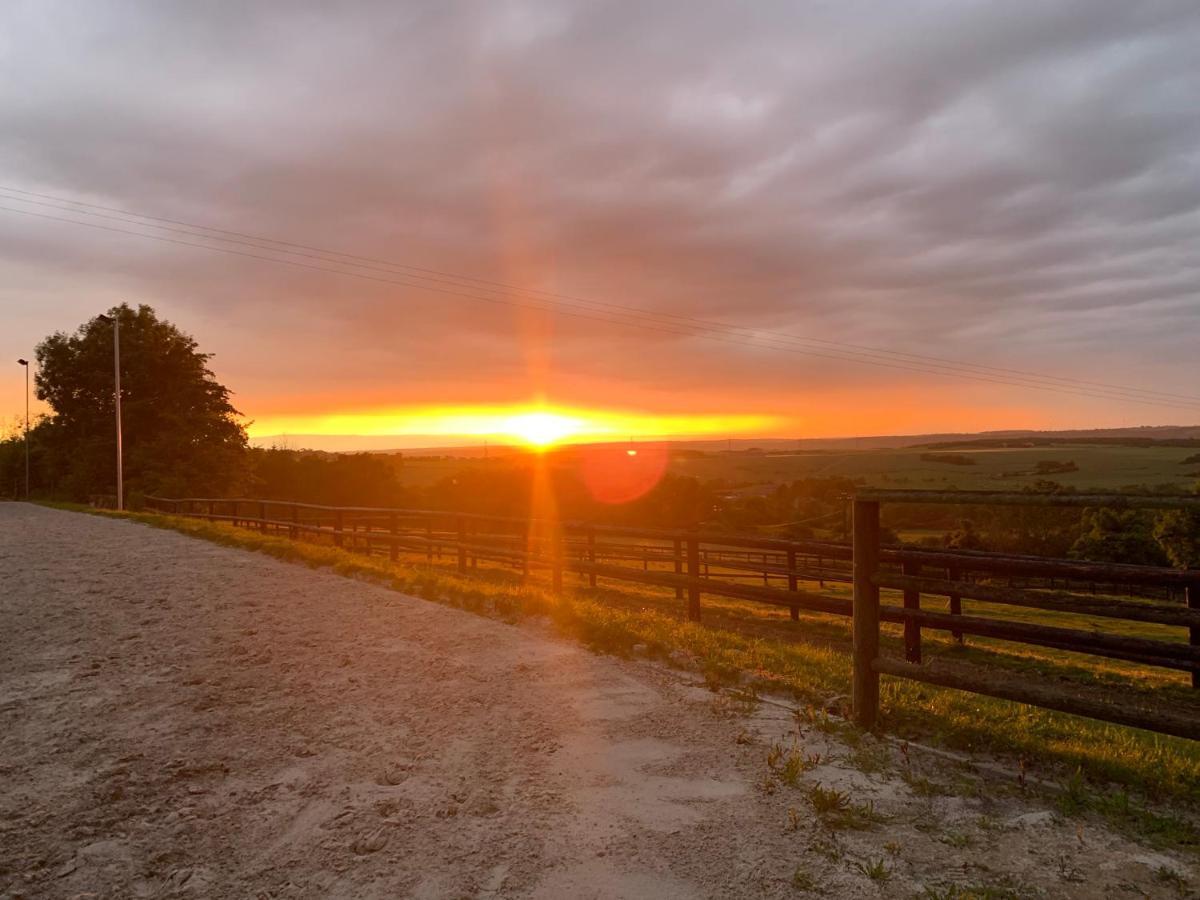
1055, 601
1018, 498
1049, 696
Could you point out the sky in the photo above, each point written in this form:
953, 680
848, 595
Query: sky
669, 218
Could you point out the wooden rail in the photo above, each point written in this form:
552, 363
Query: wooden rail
868, 612
698, 563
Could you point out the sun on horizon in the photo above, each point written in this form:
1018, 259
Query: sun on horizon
536, 424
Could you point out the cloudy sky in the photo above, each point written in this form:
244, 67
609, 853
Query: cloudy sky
1011, 185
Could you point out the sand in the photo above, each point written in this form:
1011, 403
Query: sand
179, 719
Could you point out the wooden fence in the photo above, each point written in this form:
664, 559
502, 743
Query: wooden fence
746, 567
913, 581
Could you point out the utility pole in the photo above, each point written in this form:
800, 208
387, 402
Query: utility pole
25, 363
116, 324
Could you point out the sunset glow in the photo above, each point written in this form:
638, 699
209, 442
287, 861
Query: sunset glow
535, 425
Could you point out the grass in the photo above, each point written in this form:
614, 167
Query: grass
802, 880
973, 892
875, 869
838, 813
806, 660
1099, 466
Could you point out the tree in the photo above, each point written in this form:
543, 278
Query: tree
965, 537
1118, 536
1178, 533
181, 433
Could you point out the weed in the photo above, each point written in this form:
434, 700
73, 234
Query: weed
837, 812
827, 847
1167, 875
794, 819
893, 848
870, 758
774, 755
862, 816
956, 839
827, 801
922, 786
816, 718
875, 869
1074, 796
794, 765
971, 892
1068, 872
802, 880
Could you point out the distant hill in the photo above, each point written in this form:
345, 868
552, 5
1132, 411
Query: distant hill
1144, 435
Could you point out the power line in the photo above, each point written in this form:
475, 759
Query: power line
594, 310
850, 352
458, 280
755, 339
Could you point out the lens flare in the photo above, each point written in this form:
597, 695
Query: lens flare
622, 474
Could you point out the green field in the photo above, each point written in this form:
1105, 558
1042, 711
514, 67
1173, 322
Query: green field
1099, 466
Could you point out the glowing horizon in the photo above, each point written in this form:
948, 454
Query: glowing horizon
532, 424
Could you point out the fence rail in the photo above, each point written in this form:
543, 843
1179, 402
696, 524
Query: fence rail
784, 573
869, 663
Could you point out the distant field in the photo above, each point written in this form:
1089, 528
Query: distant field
1105, 467
1100, 467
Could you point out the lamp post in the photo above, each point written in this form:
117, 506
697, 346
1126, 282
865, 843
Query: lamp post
25, 363
116, 324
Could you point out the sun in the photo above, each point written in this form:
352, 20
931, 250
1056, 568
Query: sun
541, 429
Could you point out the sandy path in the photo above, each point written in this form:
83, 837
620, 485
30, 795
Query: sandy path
181, 719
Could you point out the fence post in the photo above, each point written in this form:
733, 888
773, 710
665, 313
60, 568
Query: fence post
210, 510
912, 628
678, 545
462, 540
429, 541
394, 549
792, 584
866, 612
693, 567
955, 604
591, 551
556, 561
262, 516
337, 528
1193, 602
294, 532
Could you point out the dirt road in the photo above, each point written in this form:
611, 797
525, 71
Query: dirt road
182, 719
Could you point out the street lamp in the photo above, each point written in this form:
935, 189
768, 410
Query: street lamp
116, 324
25, 363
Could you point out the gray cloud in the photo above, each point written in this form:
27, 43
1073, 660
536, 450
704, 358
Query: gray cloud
1013, 183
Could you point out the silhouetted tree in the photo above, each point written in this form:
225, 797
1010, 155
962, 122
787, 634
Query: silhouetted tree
182, 434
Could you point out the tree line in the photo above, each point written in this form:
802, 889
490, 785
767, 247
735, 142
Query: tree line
184, 437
